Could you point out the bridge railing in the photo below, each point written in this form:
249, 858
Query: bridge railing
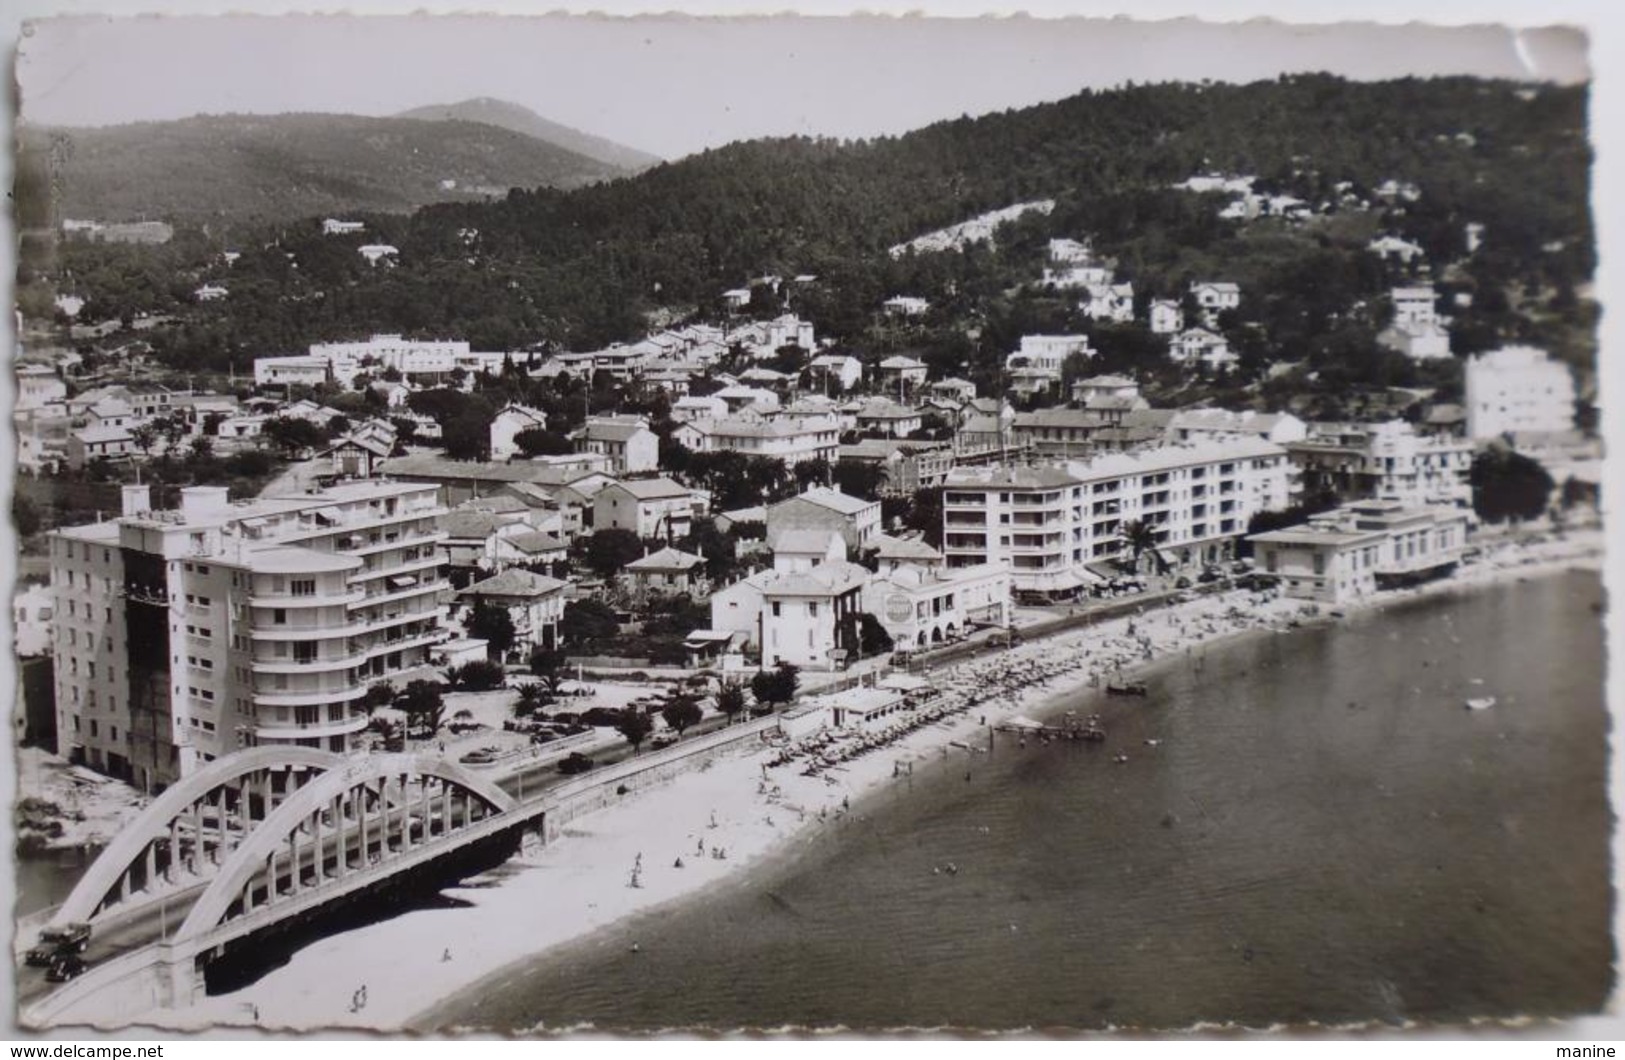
123, 988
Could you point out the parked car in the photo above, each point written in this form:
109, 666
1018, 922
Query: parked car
664, 739
543, 736
65, 966
602, 717
58, 940
481, 756
574, 763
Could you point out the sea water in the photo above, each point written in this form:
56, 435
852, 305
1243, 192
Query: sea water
1320, 833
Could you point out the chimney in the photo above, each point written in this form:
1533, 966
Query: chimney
204, 502
136, 499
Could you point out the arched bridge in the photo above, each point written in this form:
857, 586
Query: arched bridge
262, 838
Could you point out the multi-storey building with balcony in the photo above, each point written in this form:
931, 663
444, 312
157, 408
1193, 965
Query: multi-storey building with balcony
188, 634
1048, 524
788, 438
1385, 461
1518, 389
1351, 552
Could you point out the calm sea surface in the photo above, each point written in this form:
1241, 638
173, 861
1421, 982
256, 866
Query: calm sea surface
1323, 832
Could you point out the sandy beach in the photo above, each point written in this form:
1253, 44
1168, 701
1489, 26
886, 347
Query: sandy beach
736, 814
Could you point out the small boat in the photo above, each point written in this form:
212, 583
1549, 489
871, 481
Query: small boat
1481, 703
1131, 689
1092, 734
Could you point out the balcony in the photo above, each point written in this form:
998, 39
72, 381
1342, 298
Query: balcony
362, 521
429, 562
358, 626
308, 666
405, 592
323, 599
278, 697
292, 731
368, 548
425, 639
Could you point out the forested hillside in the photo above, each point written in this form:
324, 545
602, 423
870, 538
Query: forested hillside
585, 266
519, 119
235, 168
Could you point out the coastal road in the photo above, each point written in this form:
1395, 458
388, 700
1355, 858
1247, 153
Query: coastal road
533, 780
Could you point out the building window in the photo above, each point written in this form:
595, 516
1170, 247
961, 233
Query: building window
279, 616
302, 587
775, 609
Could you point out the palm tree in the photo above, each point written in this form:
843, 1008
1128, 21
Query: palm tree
1141, 537
532, 697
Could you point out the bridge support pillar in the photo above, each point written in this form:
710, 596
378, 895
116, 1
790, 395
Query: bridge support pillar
341, 826
319, 853
293, 861
179, 983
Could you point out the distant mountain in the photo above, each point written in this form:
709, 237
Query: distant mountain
513, 117
244, 168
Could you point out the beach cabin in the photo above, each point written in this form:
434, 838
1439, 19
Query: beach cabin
864, 709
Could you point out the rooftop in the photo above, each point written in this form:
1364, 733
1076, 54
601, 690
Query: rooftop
826, 579
515, 582
434, 466
609, 432
667, 559
648, 489
834, 500
535, 541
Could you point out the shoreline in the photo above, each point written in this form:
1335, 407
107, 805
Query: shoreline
577, 893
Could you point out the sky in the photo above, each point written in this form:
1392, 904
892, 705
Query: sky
675, 85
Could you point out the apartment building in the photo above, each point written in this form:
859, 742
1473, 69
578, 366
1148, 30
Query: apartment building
857, 520
920, 606
625, 441
343, 361
1036, 365
186, 634
1518, 388
1049, 523
1386, 461
905, 466
1353, 551
799, 617
512, 421
788, 438
650, 507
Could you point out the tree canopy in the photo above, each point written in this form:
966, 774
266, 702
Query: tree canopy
1508, 485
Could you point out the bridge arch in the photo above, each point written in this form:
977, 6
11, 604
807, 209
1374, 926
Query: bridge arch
104, 882
371, 797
